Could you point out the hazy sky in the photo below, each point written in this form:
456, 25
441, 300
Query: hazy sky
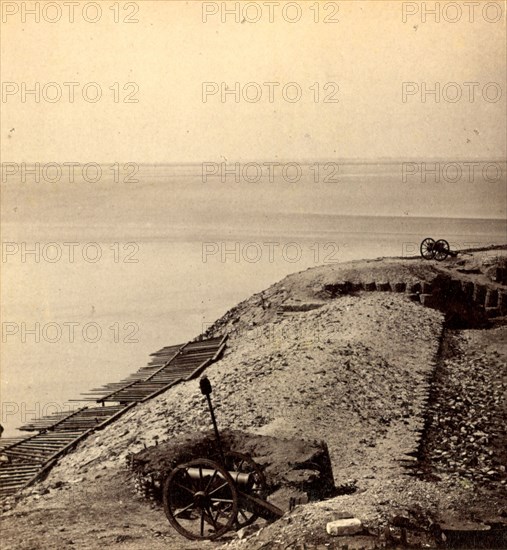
170, 52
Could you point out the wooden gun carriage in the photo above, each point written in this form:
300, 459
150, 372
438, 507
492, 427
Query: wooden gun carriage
203, 499
436, 250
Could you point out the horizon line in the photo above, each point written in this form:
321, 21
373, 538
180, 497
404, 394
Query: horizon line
367, 160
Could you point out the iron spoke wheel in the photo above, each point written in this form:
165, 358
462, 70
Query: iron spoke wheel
428, 248
200, 500
238, 462
442, 250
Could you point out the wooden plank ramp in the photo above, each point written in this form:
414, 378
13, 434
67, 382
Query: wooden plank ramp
26, 459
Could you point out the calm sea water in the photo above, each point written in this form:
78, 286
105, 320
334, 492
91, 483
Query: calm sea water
97, 276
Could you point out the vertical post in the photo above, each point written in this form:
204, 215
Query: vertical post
205, 386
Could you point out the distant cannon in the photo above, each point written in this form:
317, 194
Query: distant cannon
436, 250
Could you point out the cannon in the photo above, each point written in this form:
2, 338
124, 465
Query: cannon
204, 499
435, 250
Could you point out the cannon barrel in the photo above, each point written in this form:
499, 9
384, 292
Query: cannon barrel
240, 478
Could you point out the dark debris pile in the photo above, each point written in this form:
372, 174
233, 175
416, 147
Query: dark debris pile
467, 435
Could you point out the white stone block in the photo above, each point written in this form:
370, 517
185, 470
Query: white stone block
339, 527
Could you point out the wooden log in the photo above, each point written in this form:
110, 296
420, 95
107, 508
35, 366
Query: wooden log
399, 286
383, 286
491, 299
479, 295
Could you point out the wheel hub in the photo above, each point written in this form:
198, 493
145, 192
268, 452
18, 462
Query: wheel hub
200, 499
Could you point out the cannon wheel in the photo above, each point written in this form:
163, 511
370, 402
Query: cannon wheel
428, 248
442, 250
205, 507
239, 462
